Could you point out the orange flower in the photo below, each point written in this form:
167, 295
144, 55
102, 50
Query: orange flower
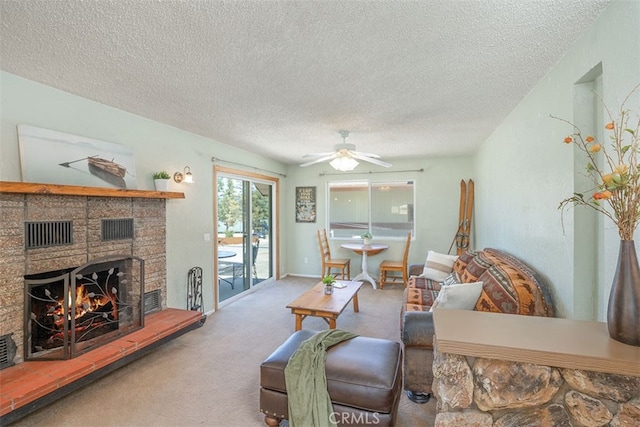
595, 148
621, 169
607, 179
568, 140
602, 195
609, 126
589, 139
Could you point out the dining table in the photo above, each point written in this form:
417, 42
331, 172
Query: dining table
228, 265
226, 254
365, 251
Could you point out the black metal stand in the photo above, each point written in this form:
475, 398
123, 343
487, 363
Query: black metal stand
194, 290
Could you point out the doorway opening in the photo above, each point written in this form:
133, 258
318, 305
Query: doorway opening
245, 212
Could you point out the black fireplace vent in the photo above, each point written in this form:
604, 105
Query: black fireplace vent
7, 351
152, 301
117, 229
43, 234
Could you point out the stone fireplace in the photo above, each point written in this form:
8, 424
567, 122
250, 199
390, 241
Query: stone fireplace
82, 235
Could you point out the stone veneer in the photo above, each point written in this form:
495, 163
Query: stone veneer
479, 392
86, 212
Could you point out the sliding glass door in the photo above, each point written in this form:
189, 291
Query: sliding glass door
244, 255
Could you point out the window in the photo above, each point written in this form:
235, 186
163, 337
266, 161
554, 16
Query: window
383, 208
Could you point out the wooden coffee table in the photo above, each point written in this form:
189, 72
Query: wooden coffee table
315, 303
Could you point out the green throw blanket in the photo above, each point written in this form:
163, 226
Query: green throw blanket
309, 401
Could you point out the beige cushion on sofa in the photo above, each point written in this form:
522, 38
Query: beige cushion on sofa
461, 296
438, 266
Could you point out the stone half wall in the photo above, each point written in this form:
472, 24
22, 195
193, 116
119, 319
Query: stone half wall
86, 213
478, 392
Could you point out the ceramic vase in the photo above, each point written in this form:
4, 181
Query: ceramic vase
366, 241
623, 312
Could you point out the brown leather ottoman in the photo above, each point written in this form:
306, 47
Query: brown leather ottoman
363, 379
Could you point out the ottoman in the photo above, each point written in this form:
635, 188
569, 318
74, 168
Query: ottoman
363, 379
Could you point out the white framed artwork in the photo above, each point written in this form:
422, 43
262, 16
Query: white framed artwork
52, 157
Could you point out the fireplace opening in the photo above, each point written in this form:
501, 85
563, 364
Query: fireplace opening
69, 312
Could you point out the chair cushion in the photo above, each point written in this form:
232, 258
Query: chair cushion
423, 283
462, 261
506, 290
475, 268
417, 296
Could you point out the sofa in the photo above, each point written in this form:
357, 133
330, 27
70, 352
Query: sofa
507, 286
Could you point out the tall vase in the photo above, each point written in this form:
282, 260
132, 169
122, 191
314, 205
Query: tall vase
623, 313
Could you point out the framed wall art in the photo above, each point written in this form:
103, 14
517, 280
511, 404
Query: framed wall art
52, 157
305, 204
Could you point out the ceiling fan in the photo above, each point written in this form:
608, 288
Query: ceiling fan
344, 157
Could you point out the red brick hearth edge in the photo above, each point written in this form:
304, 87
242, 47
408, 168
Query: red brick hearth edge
28, 382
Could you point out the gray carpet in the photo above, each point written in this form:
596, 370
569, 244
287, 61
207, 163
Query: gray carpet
210, 376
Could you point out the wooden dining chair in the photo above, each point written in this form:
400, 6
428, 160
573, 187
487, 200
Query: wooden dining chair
398, 269
328, 263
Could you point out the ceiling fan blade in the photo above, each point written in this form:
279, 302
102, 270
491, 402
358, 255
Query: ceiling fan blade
320, 160
373, 160
360, 153
328, 153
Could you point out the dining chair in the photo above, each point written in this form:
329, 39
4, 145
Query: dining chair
398, 269
328, 263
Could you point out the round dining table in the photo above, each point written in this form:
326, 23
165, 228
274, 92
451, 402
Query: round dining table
365, 251
226, 254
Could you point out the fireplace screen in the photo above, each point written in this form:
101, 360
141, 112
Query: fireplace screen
69, 312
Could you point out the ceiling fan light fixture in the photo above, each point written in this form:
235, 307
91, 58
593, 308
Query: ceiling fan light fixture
344, 163
344, 156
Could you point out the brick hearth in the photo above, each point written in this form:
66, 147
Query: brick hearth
31, 385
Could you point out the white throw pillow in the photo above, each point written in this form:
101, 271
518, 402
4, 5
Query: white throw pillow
461, 296
438, 266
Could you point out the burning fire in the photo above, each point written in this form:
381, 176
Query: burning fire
89, 301
85, 302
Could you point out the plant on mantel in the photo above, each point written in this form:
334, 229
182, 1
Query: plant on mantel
161, 175
617, 178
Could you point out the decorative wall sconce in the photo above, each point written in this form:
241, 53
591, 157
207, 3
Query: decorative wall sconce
186, 176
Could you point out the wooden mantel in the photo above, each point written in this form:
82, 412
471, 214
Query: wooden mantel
77, 190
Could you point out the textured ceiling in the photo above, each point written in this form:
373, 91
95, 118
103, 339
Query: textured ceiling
281, 78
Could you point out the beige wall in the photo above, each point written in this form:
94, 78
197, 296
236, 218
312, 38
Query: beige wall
526, 170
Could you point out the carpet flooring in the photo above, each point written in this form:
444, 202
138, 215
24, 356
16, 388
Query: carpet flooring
210, 376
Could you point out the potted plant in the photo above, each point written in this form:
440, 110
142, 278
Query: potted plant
328, 284
161, 180
366, 238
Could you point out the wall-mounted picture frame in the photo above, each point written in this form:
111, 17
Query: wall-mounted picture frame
52, 157
305, 204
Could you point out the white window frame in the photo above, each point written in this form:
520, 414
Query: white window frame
370, 225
